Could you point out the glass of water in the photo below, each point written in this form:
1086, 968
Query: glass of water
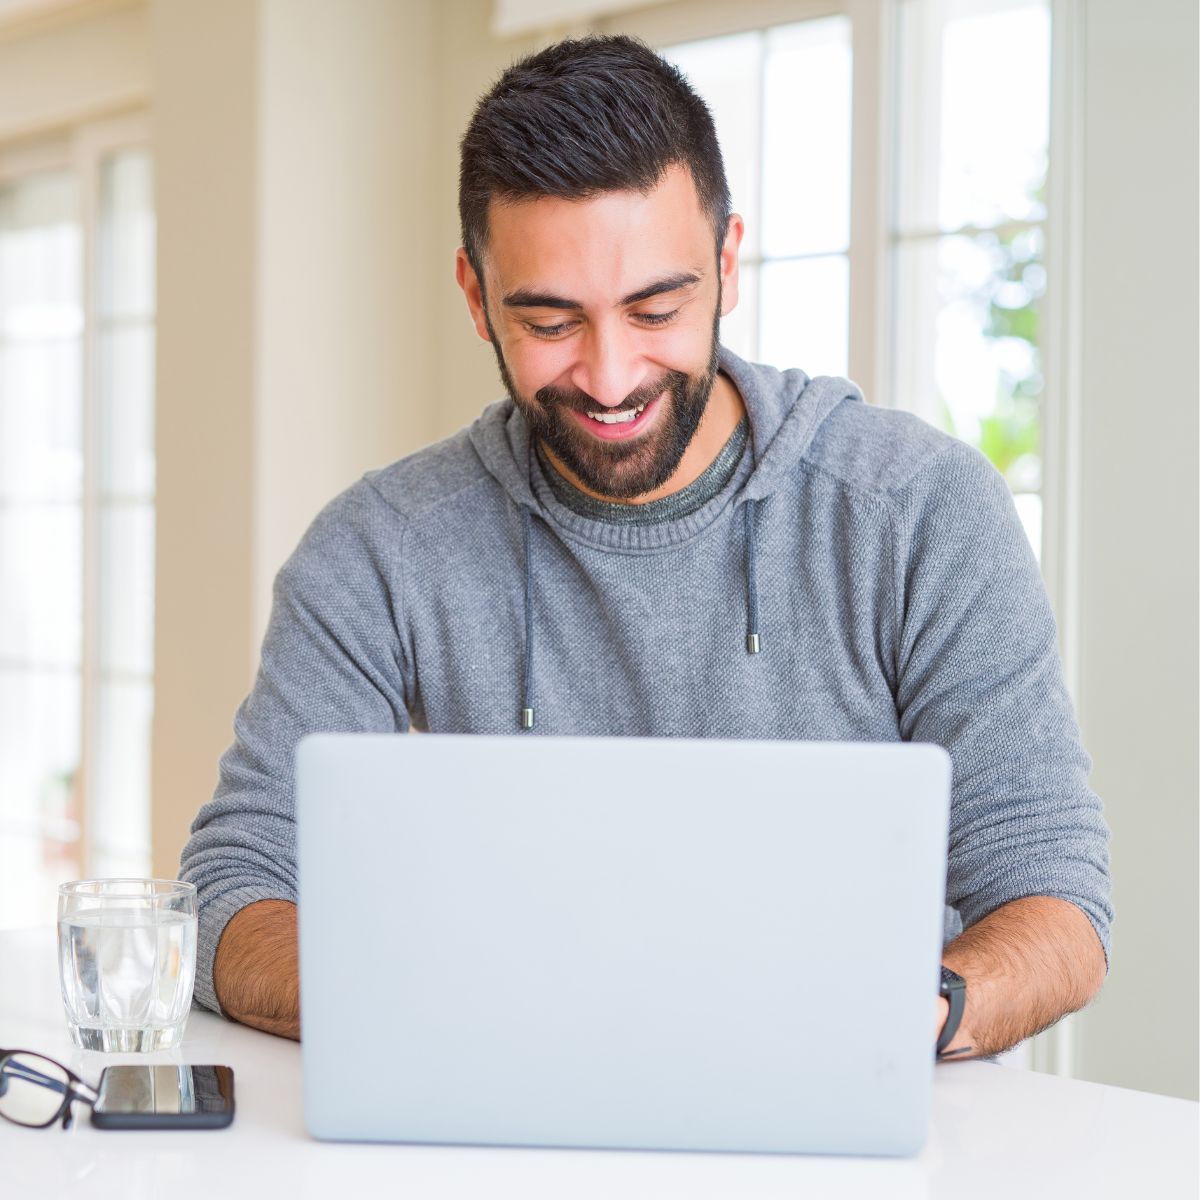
127, 961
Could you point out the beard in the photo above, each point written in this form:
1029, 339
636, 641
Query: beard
620, 470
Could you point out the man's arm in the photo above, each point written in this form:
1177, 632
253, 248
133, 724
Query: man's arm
978, 672
1026, 965
332, 661
256, 972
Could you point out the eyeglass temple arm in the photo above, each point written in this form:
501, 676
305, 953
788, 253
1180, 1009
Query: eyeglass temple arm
74, 1084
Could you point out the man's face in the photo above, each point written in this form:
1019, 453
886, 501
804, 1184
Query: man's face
604, 315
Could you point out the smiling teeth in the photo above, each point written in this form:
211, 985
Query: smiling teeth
616, 418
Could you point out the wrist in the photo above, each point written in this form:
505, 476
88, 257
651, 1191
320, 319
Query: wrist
952, 994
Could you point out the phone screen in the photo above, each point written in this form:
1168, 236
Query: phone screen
164, 1097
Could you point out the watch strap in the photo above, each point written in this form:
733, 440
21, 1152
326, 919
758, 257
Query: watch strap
954, 987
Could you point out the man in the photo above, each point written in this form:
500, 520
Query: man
651, 537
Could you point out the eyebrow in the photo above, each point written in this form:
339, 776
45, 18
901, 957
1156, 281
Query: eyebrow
672, 283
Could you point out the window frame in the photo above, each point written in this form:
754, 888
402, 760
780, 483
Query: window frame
81, 150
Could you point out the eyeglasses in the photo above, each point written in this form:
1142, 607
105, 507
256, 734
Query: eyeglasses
35, 1090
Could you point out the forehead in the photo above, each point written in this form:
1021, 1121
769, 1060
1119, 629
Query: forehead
601, 247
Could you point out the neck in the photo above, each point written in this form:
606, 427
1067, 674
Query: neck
721, 417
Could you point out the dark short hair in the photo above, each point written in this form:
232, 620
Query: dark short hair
583, 117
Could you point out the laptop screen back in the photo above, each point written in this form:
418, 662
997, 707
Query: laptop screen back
629, 943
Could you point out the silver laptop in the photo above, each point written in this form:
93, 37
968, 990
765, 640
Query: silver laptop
627, 943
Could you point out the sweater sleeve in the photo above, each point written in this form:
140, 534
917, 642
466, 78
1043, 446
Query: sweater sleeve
332, 661
978, 672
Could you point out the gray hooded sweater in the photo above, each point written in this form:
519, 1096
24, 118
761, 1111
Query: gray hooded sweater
880, 563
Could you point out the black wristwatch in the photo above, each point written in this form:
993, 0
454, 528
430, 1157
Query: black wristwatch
954, 988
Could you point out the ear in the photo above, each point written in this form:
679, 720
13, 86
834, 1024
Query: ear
469, 282
728, 263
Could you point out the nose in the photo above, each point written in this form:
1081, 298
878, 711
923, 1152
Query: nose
609, 367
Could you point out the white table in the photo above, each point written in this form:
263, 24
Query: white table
997, 1131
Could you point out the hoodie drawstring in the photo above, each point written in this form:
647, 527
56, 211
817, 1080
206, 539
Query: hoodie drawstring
753, 641
527, 707
752, 638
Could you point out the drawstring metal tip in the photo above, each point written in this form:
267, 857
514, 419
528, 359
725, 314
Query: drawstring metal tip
527, 718
752, 646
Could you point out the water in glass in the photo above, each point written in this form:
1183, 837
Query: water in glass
127, 967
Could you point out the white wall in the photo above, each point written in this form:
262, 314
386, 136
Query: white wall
343, 317
469, 60
1138, 558
204, 60
291, 140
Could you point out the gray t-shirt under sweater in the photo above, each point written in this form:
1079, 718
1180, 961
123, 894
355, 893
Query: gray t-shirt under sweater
880, 562
682, 503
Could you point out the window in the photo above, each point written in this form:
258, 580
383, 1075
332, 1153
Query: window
794, 303
76, 514
961, 268
969, 230
41, 533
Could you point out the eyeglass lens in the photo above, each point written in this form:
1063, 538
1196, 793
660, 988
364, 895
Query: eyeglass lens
31, 1088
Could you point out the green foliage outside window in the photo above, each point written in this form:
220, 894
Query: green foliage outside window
1007, 308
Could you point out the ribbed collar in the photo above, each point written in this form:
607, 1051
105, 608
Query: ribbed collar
609, 535
666, 508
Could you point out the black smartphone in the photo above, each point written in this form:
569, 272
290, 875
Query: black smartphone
164, 1097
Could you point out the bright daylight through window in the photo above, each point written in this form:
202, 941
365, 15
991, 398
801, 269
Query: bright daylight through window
967, 197
970, 230
76, 523
794, 301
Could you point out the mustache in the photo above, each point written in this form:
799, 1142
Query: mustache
580, 401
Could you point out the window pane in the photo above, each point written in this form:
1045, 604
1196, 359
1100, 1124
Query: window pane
968, 344
1029, 509
39, 746
41, 541
806, 138
120, 799
126, 244
805, 315
39, 756
40, 258
41, 584
973, 149
126, 398
725, 72
127, 588
41, 438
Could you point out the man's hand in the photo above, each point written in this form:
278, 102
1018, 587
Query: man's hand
256, 972
1027, 964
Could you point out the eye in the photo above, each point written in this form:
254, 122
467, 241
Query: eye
549, 331
656, 319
